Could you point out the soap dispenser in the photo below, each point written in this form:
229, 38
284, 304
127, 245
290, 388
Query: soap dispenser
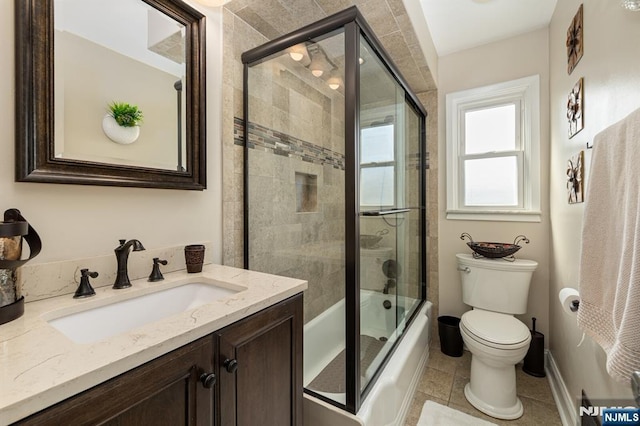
156, 275
85, 289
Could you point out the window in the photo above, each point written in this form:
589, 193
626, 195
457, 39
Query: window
377, 166
493, 170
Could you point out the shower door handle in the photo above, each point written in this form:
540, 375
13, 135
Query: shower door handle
466, 269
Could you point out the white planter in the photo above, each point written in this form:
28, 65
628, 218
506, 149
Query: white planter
118, 133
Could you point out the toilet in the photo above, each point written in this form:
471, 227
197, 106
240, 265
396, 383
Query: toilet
497, 290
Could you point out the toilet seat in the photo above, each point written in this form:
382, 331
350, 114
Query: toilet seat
499, 331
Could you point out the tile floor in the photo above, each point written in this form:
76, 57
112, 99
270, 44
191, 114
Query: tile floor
444, 379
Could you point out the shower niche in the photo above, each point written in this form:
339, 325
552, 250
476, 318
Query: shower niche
335, 195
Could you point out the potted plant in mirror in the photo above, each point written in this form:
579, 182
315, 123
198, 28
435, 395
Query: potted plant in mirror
122, 122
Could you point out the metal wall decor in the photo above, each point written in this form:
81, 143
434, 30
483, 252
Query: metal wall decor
575, 103
575, 45
575, 178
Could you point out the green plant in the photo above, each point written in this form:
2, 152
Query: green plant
125, 115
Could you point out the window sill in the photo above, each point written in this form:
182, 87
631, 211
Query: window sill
495, 215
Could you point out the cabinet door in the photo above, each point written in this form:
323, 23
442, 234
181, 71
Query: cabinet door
260, 364
168, 391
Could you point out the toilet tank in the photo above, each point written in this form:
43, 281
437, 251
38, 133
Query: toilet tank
495, 284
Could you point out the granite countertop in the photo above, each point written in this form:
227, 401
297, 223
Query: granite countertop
39, 366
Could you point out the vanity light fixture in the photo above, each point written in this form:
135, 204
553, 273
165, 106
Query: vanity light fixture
334, 80
318, 64
632, 5
314, 58
300, 54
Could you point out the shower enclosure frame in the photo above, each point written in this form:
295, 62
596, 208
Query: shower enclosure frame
355, 26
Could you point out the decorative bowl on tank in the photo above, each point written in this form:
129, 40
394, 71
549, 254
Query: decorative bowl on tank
494, 250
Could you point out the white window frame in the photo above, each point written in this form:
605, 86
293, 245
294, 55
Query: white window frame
525, 93
390, 163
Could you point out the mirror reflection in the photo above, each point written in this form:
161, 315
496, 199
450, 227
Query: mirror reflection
125, 52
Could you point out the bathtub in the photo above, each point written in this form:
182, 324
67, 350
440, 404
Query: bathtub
390, 397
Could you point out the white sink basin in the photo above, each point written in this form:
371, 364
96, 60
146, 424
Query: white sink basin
115, 318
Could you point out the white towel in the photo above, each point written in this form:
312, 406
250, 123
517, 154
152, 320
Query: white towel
609, 275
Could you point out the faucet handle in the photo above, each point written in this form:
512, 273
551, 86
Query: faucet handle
85, 289
156, 275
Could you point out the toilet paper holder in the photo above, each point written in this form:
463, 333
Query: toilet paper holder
575, 304
570, 299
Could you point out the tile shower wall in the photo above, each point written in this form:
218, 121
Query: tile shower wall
238, 37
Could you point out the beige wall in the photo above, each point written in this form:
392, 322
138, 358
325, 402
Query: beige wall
514, 58
610, 68
81, 221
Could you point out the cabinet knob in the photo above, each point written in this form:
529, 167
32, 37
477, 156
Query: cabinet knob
208, 380
231, 365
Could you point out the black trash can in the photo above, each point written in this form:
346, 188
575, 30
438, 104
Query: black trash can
450, 337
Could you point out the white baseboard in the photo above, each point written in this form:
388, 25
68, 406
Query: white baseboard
561, 394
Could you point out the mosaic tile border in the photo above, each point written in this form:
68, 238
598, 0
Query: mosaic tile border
288, 146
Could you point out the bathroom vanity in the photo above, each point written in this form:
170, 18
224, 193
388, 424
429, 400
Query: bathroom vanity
236, 360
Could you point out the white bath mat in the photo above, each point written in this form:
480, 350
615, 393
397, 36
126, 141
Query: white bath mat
434, 414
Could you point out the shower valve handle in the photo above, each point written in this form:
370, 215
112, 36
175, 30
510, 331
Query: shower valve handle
231, 365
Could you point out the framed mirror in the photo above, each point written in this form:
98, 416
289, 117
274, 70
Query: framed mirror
110, 93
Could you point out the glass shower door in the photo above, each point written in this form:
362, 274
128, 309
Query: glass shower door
296, 192
409, 279
333, 175
384, 217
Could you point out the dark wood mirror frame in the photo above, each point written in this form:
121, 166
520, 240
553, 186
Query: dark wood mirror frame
35, 153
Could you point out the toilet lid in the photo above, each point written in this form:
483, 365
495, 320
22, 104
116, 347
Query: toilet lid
496, 328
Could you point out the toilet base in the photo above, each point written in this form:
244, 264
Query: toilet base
510, 413
492, 388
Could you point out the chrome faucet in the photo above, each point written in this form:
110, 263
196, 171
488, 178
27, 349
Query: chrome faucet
122, 256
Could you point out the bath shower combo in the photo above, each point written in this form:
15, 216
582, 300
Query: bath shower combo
334, 193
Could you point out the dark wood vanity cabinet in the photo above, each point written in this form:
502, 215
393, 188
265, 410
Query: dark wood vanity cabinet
165, 391
247, 374
260, 361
